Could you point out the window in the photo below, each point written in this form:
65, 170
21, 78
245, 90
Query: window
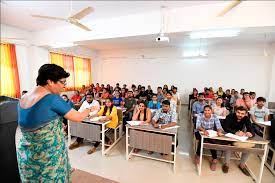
79, 69
9, 84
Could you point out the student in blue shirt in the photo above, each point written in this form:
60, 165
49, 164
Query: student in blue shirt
154, 104
117, 99
197, 107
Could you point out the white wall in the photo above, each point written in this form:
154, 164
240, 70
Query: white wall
230, 66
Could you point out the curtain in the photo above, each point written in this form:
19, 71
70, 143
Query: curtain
82, 72
79, 69
9, 84
69, 67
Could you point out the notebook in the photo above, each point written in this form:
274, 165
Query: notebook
134, 123
240, 138
266, 123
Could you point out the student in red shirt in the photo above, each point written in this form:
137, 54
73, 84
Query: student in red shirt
76, 98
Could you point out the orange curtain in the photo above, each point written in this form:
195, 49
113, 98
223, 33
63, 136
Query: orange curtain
9, 85
79, 69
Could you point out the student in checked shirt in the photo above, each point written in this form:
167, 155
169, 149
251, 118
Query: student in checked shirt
207, 121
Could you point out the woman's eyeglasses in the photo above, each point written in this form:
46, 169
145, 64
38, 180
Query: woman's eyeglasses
63, 82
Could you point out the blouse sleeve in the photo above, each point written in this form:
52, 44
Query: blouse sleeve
59, 106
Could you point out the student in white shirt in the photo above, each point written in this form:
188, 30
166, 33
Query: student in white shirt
176, 95
259, 112
173, 104
95, 107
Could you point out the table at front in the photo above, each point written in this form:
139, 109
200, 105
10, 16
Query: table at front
262, 150
91, 130
148, 138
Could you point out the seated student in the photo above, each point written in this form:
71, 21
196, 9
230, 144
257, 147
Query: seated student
253, 97
211, 91
110, 113
154, 104
142, 113
173, 104
76, 98
142, 94
208, 96
176, 95
245, 101
241, 93
226, 99
259, 112
207, 121
198, 106
136, 94
97, 87
65, 121
124, 93
193, 96
165, 117
220, 92
129, 104
149, 93
88, 103
83, 89
236, 123
160, 94
218, 109
234, 98
117, 87
117, 99
105, 94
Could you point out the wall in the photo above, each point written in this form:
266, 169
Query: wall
229, 66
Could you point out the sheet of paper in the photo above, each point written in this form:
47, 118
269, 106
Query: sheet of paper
171, 127
134, 123
243, 138
221, 117
266, 123
96, 118
212, 133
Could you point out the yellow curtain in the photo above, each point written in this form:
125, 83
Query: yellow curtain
57, 59
9, 84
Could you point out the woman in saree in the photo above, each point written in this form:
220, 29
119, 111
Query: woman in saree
42, 153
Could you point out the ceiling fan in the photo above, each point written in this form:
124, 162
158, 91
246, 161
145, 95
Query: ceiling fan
74, 19
229, 7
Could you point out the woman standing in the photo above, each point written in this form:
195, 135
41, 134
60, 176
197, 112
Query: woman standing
42, 154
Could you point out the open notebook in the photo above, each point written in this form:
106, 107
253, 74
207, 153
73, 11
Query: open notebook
266, 123
135, 123
243, 138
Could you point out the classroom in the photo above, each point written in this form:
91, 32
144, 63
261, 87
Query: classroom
137, 91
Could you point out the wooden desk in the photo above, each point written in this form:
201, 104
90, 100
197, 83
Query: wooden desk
148, 138
257, 141
91, 130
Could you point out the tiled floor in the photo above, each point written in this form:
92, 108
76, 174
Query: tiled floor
139, 170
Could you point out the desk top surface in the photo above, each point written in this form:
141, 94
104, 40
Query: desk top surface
253, 140
87, 120
153, 129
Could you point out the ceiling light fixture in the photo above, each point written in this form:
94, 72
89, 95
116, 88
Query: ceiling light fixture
214, 34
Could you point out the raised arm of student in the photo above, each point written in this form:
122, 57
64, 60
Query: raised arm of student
135, 115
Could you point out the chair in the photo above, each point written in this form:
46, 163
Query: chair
270, 159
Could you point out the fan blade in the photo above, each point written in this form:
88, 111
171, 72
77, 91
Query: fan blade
82, 13
49, 17
80, 25
229, 7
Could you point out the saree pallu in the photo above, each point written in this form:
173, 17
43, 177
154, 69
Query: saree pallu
42, 155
